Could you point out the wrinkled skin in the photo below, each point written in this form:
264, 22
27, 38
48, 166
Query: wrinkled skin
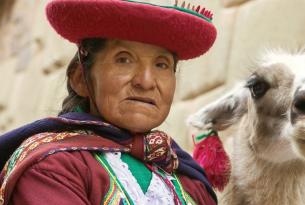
132, 83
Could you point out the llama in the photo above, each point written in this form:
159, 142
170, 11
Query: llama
267, 149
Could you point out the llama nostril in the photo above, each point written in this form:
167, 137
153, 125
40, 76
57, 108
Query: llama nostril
300, 105
299, 102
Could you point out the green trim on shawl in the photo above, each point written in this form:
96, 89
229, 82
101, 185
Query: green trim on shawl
142, 174
187, 199
135, 166
126, 200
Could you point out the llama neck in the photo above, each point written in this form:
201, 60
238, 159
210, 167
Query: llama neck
264, 182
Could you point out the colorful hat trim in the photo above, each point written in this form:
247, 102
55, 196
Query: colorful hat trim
203, 13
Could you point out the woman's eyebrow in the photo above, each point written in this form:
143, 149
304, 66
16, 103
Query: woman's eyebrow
166, 55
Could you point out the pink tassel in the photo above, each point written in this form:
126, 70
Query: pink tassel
211, 156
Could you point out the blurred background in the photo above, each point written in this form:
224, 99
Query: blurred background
33, 58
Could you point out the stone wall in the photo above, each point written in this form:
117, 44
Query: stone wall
246, 28
33, 58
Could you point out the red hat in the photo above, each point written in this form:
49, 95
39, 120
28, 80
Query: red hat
188, 32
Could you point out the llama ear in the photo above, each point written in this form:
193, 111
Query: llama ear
223, 112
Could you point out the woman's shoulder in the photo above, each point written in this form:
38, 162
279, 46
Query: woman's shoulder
79, 167
64, 154
76, 163
49, 145
77, 174
60, 148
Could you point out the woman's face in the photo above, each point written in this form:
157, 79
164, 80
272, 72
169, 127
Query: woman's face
133, 84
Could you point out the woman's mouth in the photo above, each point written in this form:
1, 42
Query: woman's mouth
145, 100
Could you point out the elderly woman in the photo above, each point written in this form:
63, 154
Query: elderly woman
102, 148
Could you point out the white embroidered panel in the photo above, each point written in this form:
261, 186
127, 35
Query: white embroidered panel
158, 193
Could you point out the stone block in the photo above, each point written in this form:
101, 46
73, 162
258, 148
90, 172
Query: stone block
26, 94
6, 122
264, 24
51, 101
209, 71
7, 73
229, 3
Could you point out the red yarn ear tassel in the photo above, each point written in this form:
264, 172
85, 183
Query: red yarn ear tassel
211, 156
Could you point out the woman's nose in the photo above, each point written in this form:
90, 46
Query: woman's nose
144, 78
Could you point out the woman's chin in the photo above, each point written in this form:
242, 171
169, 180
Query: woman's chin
138, 123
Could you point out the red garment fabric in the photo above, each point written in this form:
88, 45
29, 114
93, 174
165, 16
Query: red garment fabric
44, 143
70, 178
67, 142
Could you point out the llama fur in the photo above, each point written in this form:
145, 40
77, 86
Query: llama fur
267, 150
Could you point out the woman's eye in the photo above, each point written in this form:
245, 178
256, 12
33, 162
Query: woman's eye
123, 60
162, 65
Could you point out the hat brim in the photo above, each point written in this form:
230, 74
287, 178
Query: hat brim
186, 35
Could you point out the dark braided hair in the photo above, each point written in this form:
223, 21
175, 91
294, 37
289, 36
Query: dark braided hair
73, 101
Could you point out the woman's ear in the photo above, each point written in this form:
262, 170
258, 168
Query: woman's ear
78, 83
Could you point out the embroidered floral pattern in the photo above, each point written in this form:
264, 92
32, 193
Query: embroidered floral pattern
156, 193
157, 148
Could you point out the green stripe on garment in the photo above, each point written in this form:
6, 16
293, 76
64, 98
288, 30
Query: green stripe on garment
115, 200
142, 174
182, 194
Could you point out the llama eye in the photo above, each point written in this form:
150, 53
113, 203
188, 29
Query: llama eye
258, 87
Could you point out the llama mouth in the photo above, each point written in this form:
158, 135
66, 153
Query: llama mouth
145, 100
